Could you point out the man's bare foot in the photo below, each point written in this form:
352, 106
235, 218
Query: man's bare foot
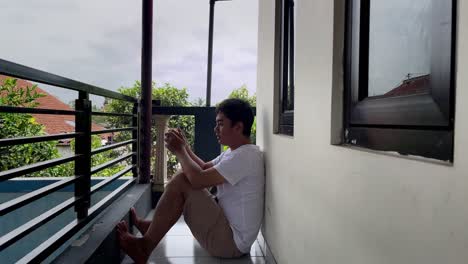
141, 224
134, 247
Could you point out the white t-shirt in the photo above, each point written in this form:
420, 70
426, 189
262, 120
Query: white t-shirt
242, 196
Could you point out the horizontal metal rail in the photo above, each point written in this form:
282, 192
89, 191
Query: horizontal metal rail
41, 252
112, 146
28, 73
111, 114
107, 181
186, 110
112, 130
181, 110
25, 140
5, 175
81, 199
20, 232
110, 163
23, 200
42, 111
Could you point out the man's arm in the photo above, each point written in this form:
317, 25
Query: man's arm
200, 162
198, 177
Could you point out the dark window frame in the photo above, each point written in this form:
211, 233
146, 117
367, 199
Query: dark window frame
286, 115
421, 124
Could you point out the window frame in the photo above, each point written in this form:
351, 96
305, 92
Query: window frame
420, 124
287, 68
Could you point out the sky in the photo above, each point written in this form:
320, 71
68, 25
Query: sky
99, 42
399, 44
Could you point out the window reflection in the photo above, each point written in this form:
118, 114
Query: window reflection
399, 47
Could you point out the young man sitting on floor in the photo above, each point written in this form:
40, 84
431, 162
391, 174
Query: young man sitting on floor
226, 226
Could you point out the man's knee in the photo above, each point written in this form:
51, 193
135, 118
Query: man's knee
178, 183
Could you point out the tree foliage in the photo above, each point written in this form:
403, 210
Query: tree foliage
169, 96
243, 93
24, 125
103, 157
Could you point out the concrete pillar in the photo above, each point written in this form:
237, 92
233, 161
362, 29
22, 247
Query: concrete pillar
160, 166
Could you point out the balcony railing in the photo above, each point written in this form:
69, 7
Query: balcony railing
205, 146
83, 170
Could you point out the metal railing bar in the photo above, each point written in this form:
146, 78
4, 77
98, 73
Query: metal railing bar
135, 123
5, 175
111, 114
185, 110
41, 252
26, 110
107, 181
23, 230
181, 110
20, 71
112, 130
35, 139
112, 146
23, 200
110, 163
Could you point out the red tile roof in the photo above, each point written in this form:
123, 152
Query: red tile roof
53, 124
414, 85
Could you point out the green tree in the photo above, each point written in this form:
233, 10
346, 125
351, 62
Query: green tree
24, 125
100, 158
101, 120
243, 93
169, 96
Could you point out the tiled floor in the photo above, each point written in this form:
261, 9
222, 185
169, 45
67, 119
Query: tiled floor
179, 247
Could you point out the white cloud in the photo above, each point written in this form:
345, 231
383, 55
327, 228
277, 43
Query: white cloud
99, 42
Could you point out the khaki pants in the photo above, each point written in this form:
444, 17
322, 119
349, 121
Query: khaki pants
209, 225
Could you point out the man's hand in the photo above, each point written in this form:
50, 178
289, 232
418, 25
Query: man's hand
182, 135
175, 141
193, 167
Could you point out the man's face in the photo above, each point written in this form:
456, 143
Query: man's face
225, 131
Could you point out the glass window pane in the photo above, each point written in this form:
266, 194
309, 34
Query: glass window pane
399, 47
292, 57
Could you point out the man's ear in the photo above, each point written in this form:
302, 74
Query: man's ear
239, 126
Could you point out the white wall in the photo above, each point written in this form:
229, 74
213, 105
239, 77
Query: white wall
332, 204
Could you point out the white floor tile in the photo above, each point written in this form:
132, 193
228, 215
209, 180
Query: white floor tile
180, 247
182, 260
244, 260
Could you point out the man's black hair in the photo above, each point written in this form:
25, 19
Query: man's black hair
237, 110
